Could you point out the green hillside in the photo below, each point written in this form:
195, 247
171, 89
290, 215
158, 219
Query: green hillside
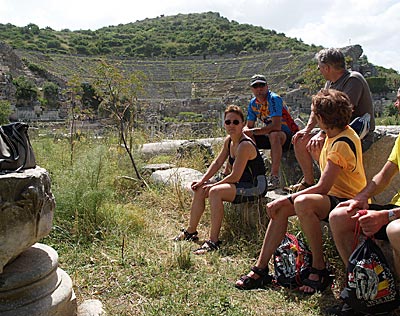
199, 34
201, 56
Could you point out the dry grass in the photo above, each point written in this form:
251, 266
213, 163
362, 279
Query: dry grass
122, 252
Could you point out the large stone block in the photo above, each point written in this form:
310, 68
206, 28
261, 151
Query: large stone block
171, 146
376, 157
182, 177
26, 211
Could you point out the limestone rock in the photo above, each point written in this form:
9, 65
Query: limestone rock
182, 177
26, 211
353, 51
247, 217
376, 157
169, 146
91, 308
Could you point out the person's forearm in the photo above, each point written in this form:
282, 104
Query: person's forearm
373, 188
267, 129
380, 181
311, 122
261, 130
212, 170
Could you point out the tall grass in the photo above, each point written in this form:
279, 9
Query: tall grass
113, 237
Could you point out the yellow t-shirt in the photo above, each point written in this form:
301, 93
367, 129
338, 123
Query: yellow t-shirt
352, 178
395, 158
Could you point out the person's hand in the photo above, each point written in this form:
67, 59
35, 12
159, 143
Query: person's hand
300, 134
354, 205
274, 206
196, 184
204, 185
316, 143
371, 221
207, 186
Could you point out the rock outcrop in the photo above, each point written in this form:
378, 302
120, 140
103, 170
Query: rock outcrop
376, 156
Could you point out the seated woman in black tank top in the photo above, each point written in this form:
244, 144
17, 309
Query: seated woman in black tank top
246, 180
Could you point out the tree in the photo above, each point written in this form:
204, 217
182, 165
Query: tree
50, 93
26, 89
31, 29
119, 92
77, 110
5, 111
90, 99
53, 44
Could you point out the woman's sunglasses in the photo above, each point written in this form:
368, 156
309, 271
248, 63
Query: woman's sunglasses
234, 122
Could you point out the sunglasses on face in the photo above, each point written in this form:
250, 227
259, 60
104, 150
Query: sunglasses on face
234, 122
258, 85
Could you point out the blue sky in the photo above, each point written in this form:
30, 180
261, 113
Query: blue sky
374, 24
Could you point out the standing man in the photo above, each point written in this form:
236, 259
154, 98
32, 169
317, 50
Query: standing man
278, 129
332, 65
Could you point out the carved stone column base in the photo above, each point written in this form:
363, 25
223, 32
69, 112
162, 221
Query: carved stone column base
33, 285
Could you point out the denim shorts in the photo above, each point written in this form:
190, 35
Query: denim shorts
247, 191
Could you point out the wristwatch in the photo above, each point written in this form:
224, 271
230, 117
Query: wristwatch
392, 216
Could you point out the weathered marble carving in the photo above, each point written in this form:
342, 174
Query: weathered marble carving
26, 211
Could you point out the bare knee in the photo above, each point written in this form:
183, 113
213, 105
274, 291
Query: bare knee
213, 193
341, 221
302, 207
199, 194
217, 194
300, 145
393, 232
275, 138
338, 216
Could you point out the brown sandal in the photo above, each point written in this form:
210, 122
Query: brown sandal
325, 280
297, 187
249, 283
207, 247
185, 235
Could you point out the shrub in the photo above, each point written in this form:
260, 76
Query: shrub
377, 84
5, 111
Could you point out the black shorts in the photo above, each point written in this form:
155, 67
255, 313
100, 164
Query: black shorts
334, 202
262, 141
247, 191
381, 234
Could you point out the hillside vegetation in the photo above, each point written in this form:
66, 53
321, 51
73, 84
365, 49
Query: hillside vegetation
165, 36
202, 57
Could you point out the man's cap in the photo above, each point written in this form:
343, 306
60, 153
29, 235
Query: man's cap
258, 79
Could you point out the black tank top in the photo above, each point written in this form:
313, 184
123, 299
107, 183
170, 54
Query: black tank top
254, 167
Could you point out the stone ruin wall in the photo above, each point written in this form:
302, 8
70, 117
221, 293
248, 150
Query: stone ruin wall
201, 86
